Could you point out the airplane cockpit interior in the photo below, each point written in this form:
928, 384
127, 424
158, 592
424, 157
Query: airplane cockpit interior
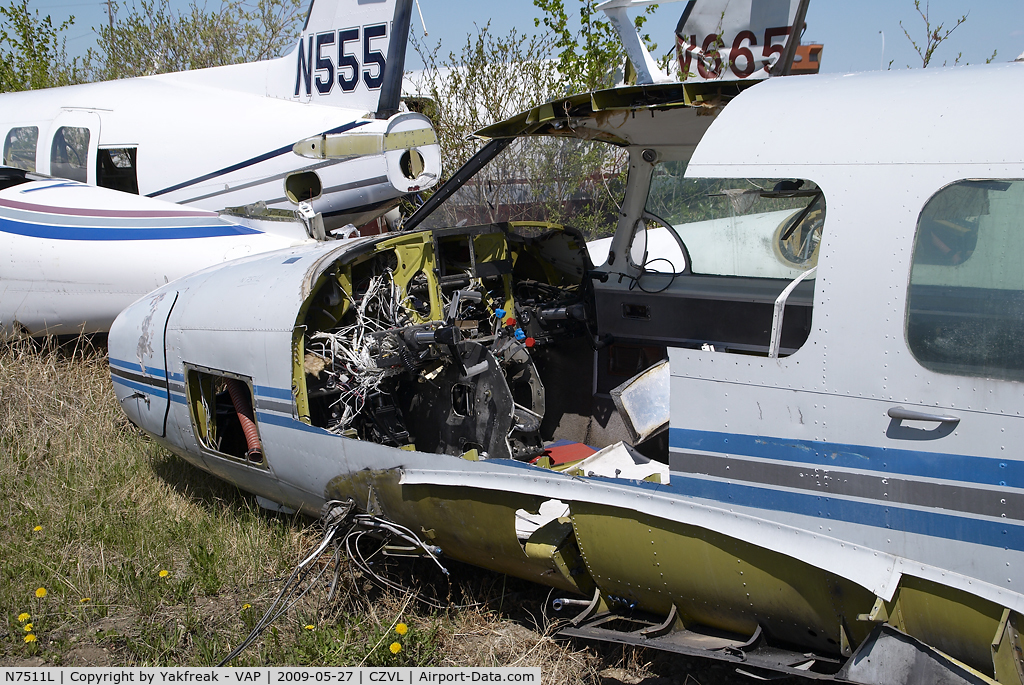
488, 331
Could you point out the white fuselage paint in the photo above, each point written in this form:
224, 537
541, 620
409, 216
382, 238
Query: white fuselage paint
795, 454
211, 148
76, 255
209, 139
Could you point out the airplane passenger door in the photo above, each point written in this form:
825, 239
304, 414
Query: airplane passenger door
70, 148
140, 374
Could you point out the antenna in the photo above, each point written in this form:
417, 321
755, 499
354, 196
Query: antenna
422, 23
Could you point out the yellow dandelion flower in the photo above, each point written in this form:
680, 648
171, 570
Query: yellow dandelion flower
246, 606
310, 627
164, 573
84, 600
40, 592
30, 638
28, 627
401, 629
24, 616
395, 648
37, 528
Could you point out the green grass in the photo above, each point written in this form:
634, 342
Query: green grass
94, 512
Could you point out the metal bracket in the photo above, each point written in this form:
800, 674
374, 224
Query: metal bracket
591, 609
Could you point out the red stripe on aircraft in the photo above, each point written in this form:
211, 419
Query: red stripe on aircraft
143, 213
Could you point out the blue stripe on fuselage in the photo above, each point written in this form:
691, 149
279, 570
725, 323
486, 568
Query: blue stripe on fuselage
273, 393
948, 526
932, 523
882, 460
157, 374
57, 232
141, 387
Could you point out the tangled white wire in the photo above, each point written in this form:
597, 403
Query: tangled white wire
350, 350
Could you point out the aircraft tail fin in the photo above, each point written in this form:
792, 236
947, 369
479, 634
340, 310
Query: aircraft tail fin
718, 40
351, 54
738, 40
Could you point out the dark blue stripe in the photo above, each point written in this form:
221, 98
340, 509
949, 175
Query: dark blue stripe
261, 390
249, 162
289, 422
954, 467
135, 366
62, 184
141, 387
94, 233
276, 393
931, 523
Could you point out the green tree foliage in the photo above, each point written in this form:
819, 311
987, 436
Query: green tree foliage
491, 78
590, 54
32, 50
148, 37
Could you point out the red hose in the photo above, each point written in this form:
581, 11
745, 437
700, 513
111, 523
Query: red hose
243, 408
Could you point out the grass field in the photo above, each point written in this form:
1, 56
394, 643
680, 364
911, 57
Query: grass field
120, 553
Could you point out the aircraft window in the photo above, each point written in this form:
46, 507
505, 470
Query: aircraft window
69, 154
965, 307
754, 227
20, 147
726, 249
115, 169
566, 181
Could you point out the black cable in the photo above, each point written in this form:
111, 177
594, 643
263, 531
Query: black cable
293, 582
644, 271
336, 516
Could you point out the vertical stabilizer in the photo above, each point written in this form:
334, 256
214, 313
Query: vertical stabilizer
718, 40
739, 39
351, 54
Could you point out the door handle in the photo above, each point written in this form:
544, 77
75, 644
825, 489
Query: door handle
904, 414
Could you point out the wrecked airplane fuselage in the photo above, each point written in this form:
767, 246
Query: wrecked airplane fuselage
838, 490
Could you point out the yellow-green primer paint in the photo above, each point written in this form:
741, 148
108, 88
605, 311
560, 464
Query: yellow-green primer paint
473, 526
715, 580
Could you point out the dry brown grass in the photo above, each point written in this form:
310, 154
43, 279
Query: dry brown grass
113, 510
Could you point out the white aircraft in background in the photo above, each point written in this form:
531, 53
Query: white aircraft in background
316, 131
75, 255
234, 135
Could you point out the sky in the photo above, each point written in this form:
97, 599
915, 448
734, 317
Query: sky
858, 36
